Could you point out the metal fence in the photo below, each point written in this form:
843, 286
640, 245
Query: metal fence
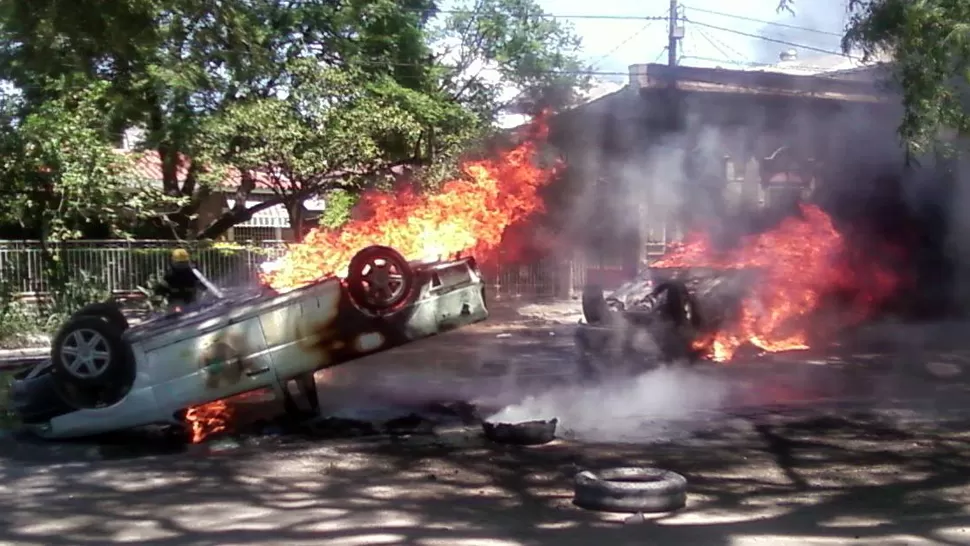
123, 266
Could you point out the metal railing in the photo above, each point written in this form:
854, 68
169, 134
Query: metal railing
122, 266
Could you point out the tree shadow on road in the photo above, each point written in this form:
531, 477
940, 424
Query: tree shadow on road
835, 478
827, 478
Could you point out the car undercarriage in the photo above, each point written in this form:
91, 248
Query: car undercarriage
661, 314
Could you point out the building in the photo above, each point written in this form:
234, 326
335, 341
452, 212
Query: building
680, 146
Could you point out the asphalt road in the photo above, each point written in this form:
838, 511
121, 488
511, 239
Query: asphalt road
864, 443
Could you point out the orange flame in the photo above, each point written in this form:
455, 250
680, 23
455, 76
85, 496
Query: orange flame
208, 419
467, 215
800, 260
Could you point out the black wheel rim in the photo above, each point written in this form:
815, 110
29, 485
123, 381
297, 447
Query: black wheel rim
382, 281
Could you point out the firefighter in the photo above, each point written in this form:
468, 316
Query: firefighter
182, 283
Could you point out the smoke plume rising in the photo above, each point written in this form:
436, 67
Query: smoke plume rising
638, 409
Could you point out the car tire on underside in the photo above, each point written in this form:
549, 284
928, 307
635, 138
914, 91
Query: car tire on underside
108, 311
91, 364
682, 313
380, 279
594, 306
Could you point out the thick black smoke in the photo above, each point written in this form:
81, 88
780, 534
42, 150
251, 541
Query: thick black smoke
630, 180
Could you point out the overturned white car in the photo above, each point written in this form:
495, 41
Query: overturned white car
104, 375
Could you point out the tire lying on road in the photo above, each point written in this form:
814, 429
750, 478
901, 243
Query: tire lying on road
108, 311
630, 489
90, 362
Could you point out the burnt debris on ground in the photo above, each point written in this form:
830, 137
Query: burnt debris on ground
432, 420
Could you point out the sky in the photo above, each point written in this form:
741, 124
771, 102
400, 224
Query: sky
618, 33
614, 44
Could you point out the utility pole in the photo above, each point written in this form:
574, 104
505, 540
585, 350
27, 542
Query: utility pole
673, 34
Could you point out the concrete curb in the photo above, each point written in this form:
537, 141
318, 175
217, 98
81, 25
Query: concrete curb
16, 358
6, 354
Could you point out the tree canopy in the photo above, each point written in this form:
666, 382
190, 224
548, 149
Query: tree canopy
299, 96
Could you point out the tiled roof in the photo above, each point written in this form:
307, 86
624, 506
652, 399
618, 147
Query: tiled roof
148, 165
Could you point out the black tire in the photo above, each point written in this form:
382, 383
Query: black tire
681, 311
631, 490
107, 311
306, 388
363, 293
679, 306
114, 370
595, 309
528, 433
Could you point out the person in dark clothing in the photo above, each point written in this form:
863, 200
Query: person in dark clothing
181, 283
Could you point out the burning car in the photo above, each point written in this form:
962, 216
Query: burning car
665, 310
104, 375
783, 288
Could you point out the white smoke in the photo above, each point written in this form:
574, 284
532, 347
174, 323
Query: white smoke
649, 407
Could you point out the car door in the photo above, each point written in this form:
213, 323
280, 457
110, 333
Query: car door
211, 360
298, 329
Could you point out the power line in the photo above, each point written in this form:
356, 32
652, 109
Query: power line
714, 45
763, 22
480, 13
725, 45
628, 39
768, 39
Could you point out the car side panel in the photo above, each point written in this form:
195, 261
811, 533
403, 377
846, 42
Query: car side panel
215, 365
138, 408
302, 323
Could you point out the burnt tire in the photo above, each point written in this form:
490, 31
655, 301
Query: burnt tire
394, 285
306, 391
91, 364
527, 433
108, 311
595, 309
630, 490
680, 309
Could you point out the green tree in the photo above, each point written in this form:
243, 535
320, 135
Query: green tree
336, 129
486, 46
331, 94
60, 173
180, 67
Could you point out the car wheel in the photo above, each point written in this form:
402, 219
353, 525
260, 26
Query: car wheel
107, 311
88, 354
306, 388
595, 310
631, 490
681, 311
379, 278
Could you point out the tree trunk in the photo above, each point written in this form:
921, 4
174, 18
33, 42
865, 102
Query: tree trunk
234, 216
297, 217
